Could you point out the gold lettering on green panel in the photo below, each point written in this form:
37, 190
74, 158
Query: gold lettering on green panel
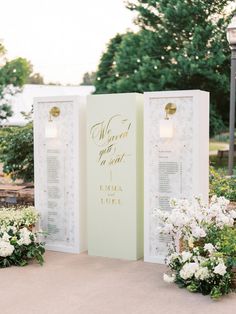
108, 136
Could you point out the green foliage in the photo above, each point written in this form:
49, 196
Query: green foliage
36, 79
221, 185
105, 73
13, 75
89, 78
16, 152
181, 45
225, 241
23, 254
216, 122
15, 72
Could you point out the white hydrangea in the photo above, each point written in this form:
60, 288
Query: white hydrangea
189, 270
202, 273
220, 269
6, 249
169, 279
25, 235
186, 256
198, 232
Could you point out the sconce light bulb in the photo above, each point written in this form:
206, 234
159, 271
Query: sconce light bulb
166, 128
51, 130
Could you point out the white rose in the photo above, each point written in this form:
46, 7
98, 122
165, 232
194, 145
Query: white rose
169, 279
220, 269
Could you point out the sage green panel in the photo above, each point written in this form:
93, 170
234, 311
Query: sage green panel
115, 175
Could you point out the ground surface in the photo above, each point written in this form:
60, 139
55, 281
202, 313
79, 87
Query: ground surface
80, 284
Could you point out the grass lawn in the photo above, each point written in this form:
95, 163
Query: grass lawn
215, 146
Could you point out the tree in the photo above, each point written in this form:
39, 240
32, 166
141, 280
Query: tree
181, 45
89, 78
13, 75
105, 77
15, 72
16, 152
36, 79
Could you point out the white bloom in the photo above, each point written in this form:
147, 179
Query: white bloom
188, 270
209, 247
3, 113
5, 237
220, 269
7, 97
233, 214
198, 232
222, 220
202, 273
172, 258
169, 279
3, 229
24, 237
186, 256
6, 249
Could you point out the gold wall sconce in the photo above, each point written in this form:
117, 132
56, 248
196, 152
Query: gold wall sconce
51, 130
166, 124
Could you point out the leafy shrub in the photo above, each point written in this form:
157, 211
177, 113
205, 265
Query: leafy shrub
221, 185
16, 152
216, 122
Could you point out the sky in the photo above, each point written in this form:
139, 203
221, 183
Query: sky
63, 39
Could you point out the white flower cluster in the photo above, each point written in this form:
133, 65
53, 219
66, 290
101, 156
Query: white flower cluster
11, 236
190, 219
23, 216
25, 237
14, 228
195, 266
6, 249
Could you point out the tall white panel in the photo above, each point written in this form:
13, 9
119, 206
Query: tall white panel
60, 180
176, 161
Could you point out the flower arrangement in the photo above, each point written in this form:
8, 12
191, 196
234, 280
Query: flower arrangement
19, 241
206, 259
